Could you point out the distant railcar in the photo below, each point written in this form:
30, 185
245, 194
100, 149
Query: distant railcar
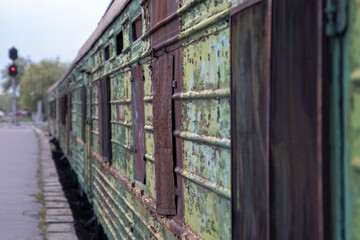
227, 119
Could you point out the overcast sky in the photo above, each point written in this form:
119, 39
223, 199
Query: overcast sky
48, 29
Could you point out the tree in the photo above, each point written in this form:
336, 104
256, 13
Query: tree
36, 80
5, 102
22, 64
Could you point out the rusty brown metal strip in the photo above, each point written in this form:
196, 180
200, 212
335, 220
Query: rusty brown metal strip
165, 43
249, 121
162, 121
176, 227
164, 22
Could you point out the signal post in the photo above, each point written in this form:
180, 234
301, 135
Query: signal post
12, 74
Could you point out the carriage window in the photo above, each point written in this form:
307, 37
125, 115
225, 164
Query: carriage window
106, 53
136, 29
119, 43
52, 110
64, 109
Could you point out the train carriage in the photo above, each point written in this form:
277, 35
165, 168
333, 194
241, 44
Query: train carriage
227, 119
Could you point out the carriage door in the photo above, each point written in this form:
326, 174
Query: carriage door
277, 120
250, 120
296, 121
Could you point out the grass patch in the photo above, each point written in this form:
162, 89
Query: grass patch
24, 119
40, 197
18, 119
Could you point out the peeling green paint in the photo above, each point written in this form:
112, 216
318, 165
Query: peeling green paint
205, 133
206, 114
207, 213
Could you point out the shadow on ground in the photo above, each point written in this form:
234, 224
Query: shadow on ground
84, 220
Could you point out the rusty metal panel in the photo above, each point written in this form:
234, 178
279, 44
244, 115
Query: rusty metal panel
164, 21
162, 120
160, 9
250, 121
295, 163
139, 122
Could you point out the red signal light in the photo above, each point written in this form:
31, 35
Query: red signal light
12, 70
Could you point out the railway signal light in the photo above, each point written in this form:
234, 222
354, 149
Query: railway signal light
12, 70
13, 53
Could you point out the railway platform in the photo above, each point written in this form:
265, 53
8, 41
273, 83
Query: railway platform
32, 202
59, 219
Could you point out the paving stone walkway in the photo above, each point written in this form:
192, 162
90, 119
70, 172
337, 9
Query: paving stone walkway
59, 219
19, 206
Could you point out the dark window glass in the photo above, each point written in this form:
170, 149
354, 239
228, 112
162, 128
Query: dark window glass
119, 43
52, 110
64, 109
106, 53
104, 119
